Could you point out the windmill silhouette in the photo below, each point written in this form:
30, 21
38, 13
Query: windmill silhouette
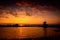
45, 27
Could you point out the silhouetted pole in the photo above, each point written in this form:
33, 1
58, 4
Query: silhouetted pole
45, 30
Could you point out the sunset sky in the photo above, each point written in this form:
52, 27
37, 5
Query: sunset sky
29, 12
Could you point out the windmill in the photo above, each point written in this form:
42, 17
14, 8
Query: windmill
45, 25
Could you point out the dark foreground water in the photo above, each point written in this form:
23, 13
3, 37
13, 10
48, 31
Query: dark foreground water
27, 32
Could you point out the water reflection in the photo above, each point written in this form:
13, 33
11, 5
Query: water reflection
26, 32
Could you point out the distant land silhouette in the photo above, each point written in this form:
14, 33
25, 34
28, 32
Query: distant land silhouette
31, 25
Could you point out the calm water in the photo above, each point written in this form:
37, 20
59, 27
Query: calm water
26, 32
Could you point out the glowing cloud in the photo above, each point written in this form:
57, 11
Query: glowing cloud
28, 15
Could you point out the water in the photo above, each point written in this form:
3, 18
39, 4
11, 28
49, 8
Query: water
26, 32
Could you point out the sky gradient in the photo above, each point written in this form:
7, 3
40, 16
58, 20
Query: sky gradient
29, 12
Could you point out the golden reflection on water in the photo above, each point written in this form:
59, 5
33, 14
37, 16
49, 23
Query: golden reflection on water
25, 32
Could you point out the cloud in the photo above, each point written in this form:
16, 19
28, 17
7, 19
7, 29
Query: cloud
25, 9
5, 14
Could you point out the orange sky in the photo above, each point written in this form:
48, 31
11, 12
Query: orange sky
30, 20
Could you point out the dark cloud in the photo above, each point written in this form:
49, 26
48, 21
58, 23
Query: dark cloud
31, 3
29, 6
34, 2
